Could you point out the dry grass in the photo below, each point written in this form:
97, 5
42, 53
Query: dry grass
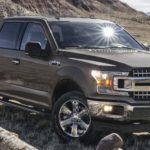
36, 130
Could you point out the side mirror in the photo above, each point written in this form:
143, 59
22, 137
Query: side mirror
33, 49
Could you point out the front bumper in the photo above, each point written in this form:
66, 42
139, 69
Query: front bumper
132, 118
124, 112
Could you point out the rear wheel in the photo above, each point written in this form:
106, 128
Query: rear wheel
71, 117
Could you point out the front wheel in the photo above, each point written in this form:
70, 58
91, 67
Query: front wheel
71, 117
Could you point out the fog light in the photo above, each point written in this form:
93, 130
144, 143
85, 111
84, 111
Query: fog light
108, 108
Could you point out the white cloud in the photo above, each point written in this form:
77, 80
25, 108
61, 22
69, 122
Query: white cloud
141, 5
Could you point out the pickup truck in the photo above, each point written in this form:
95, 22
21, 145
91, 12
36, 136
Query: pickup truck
85, 73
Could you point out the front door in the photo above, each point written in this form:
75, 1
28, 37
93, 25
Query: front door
37, 75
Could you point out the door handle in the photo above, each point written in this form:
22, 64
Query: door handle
16, 61
54, 62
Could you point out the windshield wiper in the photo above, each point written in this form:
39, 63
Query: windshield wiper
93, 47
107, 47
120, 47
86, 47
98, 47
72, 46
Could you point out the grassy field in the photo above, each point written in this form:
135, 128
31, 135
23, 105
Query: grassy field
36, 130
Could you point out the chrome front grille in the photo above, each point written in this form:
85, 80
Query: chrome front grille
145, 72
141, 95
137, 84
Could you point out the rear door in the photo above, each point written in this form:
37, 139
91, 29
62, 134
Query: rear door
9, 57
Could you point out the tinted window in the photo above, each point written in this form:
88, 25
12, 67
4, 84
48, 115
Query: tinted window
34, 33
9, 34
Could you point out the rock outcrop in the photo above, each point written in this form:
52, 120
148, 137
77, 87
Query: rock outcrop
11, 141
64, 7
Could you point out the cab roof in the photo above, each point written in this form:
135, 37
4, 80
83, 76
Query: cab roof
53, 19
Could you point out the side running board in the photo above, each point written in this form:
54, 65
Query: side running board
24, 107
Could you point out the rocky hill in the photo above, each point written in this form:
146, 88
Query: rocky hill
64, 7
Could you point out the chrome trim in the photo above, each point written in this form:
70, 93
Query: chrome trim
141, 95
74, 121
96, 110
134, 81
142, 72
92, 62
54, 62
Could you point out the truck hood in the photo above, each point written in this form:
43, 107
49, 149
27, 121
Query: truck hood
129, 58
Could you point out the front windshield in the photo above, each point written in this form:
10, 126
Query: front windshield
92, 35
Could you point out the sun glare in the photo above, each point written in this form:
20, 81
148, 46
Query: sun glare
108, 32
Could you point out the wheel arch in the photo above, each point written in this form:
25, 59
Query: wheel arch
64, 86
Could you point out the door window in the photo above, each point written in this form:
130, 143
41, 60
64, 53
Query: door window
34, 34
9, 35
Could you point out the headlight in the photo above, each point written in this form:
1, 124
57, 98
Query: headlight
104, 81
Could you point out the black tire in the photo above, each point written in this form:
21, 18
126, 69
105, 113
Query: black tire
74, 95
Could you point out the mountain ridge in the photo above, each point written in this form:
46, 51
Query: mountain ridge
75, 8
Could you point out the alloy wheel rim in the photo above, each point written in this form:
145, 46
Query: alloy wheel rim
74, 118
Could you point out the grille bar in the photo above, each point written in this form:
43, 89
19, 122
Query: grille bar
141, 72
141, 95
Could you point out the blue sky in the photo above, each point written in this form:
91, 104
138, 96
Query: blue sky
142, 5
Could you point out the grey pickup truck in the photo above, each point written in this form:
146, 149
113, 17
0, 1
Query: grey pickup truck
85, 73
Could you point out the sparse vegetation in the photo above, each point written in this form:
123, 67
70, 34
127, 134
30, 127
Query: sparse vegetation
36, 130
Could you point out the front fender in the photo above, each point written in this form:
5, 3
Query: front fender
82, 78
